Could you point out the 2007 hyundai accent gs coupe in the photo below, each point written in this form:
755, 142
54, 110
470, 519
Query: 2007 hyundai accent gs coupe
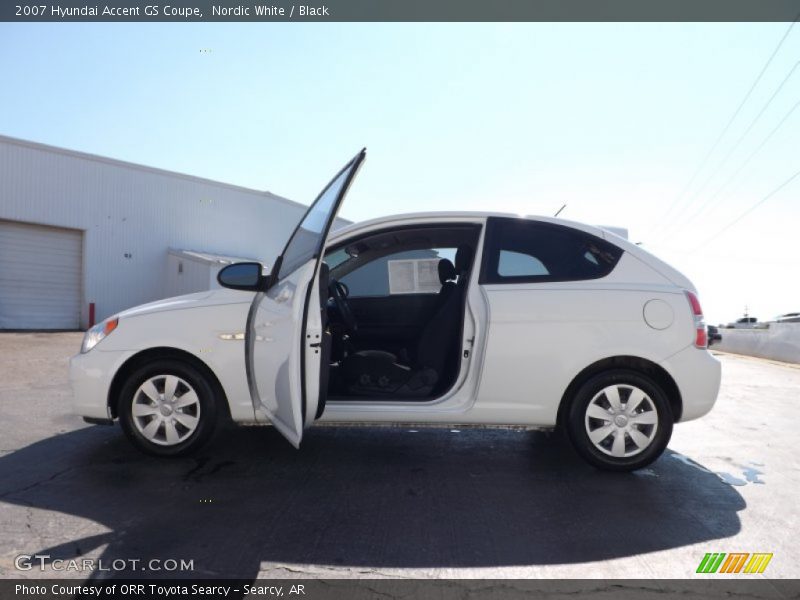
468, 319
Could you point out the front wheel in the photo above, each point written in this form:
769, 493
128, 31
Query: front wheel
620, 421
167, 408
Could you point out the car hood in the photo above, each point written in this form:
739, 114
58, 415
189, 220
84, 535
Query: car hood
197, 300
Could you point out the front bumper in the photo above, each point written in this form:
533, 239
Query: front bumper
90, 376
697, 373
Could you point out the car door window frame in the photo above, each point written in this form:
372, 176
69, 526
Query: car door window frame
354, 238
278, 268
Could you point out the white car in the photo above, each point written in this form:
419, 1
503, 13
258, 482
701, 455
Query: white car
468, 319
744, 323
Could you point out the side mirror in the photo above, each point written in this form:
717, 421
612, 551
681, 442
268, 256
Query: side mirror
247, 276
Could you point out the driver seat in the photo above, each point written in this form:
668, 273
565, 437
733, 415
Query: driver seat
379, 373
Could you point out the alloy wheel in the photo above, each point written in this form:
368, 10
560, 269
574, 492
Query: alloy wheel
166, 410
621, 420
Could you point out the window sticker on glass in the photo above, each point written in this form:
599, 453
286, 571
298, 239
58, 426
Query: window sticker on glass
415, 276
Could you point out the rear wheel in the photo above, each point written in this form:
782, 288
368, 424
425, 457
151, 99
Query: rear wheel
620, 421
167, 408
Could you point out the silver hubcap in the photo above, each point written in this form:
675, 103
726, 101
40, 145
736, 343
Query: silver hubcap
166, 410
621, 420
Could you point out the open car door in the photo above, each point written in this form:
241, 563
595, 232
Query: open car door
285, 350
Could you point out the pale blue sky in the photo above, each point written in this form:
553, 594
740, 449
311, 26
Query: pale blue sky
611, 119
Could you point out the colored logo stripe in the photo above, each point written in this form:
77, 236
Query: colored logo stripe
758, 563
736, 562
711, 562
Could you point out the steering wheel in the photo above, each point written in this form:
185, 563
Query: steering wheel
339, 293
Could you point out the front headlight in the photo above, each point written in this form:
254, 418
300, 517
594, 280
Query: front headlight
97, 333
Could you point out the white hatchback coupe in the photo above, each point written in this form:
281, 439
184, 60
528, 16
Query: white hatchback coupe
425, 319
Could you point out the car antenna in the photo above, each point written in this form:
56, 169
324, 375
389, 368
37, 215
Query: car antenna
558, 212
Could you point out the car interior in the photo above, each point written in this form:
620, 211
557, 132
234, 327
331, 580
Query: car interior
395, 312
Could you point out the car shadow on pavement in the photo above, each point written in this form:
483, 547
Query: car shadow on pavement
365, 498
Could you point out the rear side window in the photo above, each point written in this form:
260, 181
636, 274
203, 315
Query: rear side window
521, 251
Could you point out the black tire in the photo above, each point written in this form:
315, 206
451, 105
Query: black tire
207, 412
576, 422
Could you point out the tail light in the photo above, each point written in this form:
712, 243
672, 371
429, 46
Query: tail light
700, 332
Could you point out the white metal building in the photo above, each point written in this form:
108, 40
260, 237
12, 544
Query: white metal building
78, 229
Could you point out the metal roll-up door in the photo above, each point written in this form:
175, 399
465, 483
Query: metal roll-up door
40, 276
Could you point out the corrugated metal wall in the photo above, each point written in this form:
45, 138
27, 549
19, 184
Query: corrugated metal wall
131, 215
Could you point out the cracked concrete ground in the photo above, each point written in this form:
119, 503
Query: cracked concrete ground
394, 503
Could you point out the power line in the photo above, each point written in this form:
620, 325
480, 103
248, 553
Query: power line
709, 201
763, 109
748, 211
738, 143
730, 122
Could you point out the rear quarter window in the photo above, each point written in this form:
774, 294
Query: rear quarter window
522, 251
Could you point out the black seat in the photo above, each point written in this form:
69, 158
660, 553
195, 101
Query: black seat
374, 372
447, 277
